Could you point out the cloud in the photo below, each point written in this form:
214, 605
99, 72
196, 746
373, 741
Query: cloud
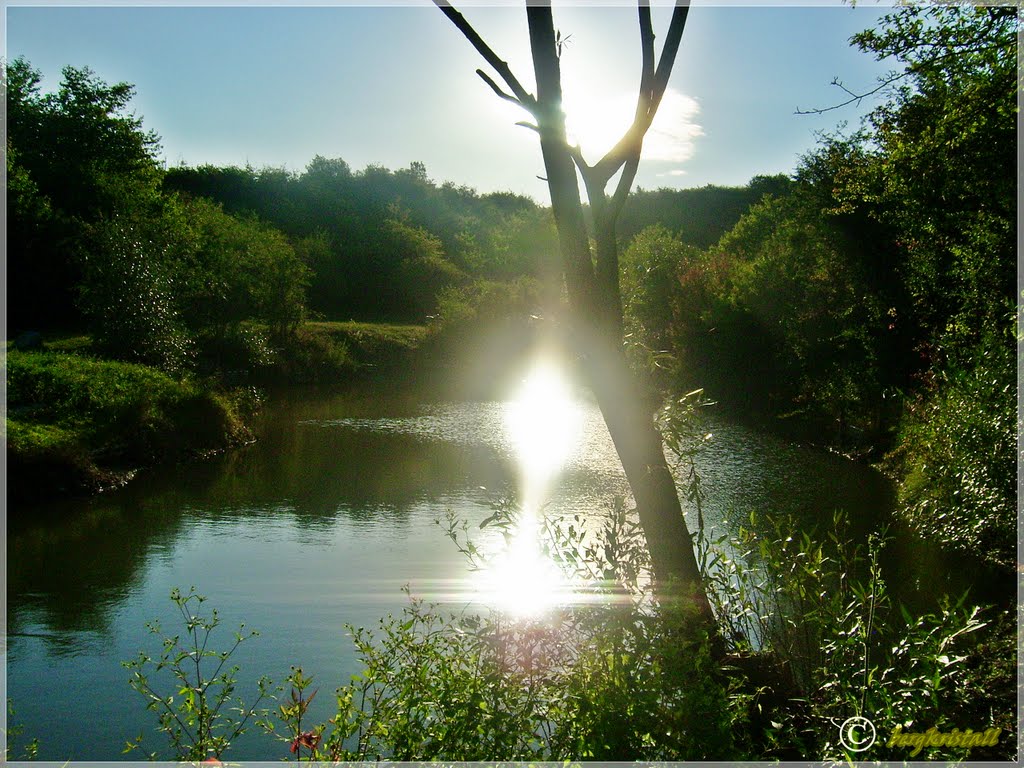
597, 121
672, 137
674, 172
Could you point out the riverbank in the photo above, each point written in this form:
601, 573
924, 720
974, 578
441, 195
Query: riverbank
78, 425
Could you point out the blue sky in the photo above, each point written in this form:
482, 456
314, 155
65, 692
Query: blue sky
395, 84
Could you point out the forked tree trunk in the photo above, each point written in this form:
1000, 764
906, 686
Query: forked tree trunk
592, 279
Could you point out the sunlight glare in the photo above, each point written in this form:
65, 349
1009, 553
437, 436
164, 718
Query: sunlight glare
521, 580
544, 423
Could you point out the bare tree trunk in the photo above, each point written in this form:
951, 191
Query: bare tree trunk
592, 277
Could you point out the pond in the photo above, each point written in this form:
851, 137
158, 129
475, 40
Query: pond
321, 523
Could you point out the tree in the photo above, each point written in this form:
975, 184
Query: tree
944, 173
651, 266
592, 272
943, 176
128, 290
80, 155
238, 268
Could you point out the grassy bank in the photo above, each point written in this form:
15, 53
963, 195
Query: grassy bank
320, 353
77, 424
367, 346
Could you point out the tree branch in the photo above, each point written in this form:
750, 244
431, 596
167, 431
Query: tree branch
494, 87
522, 96
652, 87
623, 187
647, 58
855, 98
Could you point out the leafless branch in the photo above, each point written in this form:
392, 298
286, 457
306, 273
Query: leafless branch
522, 96
577, 157
652, 87
497, 89
855, 98
623, 187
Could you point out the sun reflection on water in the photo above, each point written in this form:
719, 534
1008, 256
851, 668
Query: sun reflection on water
544, 424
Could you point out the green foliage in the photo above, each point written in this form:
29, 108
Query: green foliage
423, 271
890, 256
781, 313
699, 217
943, 173
649, 283
291, 715
199, 713
27, 437
522, 242
957, 456
482, 306
12, 733
80, 144
76, 156
238, 269
818, 605
128, 293
382, 244
66, 412
939, 173
92, 232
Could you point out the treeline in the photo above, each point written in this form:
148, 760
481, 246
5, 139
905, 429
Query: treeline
874, 298
218, 266
382, 244
163, 266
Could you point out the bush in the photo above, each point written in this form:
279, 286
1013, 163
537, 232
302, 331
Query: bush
128, 294
958, 457
817, 606
69, 411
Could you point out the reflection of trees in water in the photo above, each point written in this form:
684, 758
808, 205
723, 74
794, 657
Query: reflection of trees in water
323, 472
69, 571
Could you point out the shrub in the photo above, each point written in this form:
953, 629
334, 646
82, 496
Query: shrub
74, 411
128, 294
958, 457
818, 606
205, 716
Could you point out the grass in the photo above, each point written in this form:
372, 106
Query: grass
371, 343
74, 423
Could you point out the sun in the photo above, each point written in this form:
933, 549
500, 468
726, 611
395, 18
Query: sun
596, 121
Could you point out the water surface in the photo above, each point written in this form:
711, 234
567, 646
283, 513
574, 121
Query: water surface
320, 524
